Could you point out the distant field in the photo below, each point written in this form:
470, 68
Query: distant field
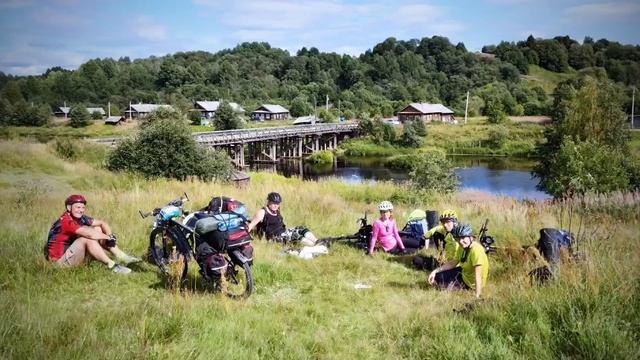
546, 79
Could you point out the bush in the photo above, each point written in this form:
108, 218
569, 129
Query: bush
195, 117
163, 113
495, 112
96, 115
432, 171
580, 168
320, 157
65, 148
166, 148
413, 134
498, 136
79, 117
226, 118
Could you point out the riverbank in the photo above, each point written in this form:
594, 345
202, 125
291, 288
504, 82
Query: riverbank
306, 309
477, 137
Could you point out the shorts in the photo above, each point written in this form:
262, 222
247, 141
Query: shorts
74, 256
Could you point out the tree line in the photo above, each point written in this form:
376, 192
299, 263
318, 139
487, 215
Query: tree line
378, 82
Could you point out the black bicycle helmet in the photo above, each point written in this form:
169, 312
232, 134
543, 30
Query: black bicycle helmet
461, 231
274, 197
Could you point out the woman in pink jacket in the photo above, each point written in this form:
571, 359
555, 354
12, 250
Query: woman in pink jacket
385, 230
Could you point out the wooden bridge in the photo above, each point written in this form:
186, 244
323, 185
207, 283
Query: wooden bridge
274, 143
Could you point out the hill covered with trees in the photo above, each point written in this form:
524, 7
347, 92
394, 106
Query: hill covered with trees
378, 82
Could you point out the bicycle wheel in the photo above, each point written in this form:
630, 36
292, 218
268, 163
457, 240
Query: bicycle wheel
237, 280
163, 253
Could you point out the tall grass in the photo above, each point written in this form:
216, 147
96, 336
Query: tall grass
303, 309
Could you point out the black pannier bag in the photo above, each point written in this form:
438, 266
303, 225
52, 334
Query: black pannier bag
211, 261
237, 238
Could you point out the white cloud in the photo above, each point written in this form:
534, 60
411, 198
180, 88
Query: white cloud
604, 11
422, 13
148, 29
30, 60
349, 50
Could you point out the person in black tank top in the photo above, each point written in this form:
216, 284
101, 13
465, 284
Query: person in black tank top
268, 221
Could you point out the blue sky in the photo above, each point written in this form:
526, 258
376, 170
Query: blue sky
38, 34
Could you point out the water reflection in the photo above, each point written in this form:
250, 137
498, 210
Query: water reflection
503, 176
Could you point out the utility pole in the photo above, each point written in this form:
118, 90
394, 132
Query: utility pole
339, 113
466, 108
315, 112
327, 103
633, 100
130, 111
109, 108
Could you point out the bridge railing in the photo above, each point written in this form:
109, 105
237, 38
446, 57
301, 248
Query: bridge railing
272, 133
227, 137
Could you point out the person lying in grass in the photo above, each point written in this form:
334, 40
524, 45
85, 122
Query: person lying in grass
470, 267
76, 235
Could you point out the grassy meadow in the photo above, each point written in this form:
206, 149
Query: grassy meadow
304, 309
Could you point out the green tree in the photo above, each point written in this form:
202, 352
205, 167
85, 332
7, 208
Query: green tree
495, 113
226, 118
498, 136
586, 111
79, 116
413, 134
432, 171
165, 148
300, 106
586, 167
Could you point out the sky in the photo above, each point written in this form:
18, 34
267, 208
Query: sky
38, 34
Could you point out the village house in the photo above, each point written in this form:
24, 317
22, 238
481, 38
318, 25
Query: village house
65, 111
208, 108
270, 112
139, 111
426, 112
114, 120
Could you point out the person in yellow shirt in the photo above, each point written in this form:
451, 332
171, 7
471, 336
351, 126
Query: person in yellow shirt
470, 267
441, 235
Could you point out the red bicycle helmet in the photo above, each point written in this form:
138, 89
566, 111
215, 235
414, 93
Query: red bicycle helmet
72, 199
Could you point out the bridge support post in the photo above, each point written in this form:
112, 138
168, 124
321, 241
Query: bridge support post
300, 143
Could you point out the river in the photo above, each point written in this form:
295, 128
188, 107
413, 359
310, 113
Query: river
495, 175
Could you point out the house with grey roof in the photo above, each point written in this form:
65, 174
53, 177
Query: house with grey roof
139, 111
65, 111
270, 112
62, 112
114, 120
99, 110
426, 112
208, 108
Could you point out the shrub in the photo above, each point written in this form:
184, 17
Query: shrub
498, 136
163, 113
166, 148
226, 118
580, 168
65, 148
96, 115
320, 157
432, 171
495, 112
79, 117
413, 134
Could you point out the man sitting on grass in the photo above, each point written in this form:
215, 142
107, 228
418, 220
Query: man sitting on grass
76, 235
470, 267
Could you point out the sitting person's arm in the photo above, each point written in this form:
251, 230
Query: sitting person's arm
478, 274
447, 266
256, 220
91, 233
374, 237
102, 225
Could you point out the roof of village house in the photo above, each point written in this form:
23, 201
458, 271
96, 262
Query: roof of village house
426, 108
63, 110
213, 106
100, 110
269, 108
310, 119
113, 119
147, 108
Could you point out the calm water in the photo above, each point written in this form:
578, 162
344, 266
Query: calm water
501, 176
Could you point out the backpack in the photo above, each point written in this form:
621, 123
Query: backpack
223, 204
551, 241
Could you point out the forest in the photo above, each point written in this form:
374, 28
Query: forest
379, 82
